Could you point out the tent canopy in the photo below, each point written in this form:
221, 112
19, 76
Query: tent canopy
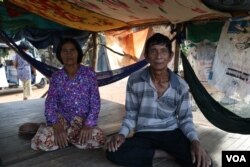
96, 15
55, 18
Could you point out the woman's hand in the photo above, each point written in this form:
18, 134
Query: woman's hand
115, 142
85, 134
60, 135
199, 155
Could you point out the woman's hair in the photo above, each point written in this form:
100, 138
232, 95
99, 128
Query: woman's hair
158, 39
75, 43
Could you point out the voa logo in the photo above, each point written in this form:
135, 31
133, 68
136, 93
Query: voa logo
236, 158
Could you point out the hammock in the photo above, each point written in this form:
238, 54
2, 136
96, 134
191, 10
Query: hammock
211, 109
103, 78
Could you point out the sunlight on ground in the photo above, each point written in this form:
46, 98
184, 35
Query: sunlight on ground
113, 92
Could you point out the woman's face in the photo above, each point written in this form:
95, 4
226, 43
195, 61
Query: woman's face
69, 54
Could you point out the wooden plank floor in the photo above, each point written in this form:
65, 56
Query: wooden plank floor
15, 150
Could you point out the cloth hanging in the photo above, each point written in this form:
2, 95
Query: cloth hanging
211, 109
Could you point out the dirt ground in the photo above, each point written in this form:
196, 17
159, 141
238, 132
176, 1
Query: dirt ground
114, 92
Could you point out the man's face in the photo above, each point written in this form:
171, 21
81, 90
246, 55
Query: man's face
159, 56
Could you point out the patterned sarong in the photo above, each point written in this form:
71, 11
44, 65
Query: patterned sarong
44, 138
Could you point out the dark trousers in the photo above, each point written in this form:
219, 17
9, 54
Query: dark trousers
138, 151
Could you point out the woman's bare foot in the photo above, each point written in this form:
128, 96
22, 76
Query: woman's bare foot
29, 128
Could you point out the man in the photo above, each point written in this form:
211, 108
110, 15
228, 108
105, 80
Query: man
23, 72
158, 109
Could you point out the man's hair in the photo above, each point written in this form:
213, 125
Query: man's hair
156, 39
75, 43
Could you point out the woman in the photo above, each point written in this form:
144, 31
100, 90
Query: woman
23, 71
72, 105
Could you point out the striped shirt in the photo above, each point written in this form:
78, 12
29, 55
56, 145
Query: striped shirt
145, 111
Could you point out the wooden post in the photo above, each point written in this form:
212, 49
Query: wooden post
94, 56
176, 56
179, 29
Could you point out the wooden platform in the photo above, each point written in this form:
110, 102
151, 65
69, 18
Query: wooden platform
15, 150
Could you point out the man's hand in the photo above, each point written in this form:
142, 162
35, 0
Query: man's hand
60, 135
199, 155
115, 142
85, 134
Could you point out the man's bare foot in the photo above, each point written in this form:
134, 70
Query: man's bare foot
162, 154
